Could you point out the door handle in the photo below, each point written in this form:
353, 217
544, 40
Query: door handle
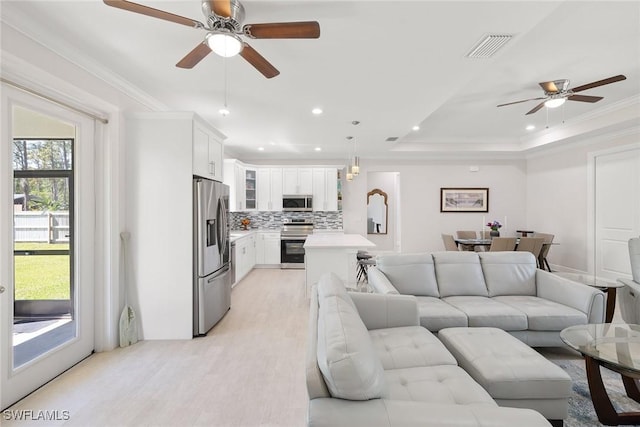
2, 289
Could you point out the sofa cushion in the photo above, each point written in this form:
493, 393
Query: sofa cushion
509, 273
544, 315
436, 384
436, 314
409, 346
506, 367
459, 273
483, 311
346, 357
410, 274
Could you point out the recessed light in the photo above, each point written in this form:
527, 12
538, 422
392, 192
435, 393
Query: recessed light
318, 149
317, 111
416, 128
272, 143
530, 127
260, 148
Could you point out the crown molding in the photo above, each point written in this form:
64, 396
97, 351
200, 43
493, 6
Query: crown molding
56, 44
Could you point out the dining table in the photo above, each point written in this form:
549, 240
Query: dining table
473, 243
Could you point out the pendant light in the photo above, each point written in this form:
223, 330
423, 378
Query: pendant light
355, 166
349, 173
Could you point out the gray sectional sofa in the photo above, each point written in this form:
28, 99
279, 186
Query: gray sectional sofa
489, 289
370, 363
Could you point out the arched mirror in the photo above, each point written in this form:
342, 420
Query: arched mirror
377, 212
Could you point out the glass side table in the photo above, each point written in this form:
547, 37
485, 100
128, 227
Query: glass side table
615, 346
608, 286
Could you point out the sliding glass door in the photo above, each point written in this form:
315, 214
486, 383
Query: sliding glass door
46, 242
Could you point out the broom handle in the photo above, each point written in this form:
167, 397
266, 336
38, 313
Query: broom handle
125, 242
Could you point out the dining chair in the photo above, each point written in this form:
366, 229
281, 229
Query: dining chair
503, 244
466, 234
530, 244
484, 234
546, 245
449, 242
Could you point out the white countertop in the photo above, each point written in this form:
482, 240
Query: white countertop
337, 240
239, 234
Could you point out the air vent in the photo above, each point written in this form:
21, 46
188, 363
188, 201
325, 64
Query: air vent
392, 139
489, 45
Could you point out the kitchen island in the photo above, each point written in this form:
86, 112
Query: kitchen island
332, 252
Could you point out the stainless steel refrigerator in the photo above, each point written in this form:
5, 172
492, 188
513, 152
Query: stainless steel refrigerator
212, 276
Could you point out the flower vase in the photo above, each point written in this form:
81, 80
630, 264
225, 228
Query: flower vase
494, 233
244, 226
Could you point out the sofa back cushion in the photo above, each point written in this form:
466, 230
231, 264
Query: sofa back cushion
346, 356
509, 273
330, 284
459, 273
410, 274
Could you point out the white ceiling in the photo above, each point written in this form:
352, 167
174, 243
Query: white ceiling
389, 65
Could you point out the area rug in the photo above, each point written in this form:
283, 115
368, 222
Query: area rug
581, 412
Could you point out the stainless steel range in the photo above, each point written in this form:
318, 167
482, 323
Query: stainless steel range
294, 234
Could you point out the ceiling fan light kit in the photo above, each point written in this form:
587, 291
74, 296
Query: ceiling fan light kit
554, 102
224, 44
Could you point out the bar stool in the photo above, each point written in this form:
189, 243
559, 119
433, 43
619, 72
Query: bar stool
364, 261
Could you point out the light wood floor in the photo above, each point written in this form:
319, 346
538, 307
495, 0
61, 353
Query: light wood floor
248, 371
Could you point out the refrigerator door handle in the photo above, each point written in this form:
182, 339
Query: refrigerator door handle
225, 209
218, 273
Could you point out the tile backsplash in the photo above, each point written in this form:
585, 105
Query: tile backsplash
331, 220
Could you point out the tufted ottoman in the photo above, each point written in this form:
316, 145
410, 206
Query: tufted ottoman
511, 372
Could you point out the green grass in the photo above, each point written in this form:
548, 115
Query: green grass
42, 276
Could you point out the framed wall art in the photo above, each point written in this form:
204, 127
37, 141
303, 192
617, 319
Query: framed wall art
464, 200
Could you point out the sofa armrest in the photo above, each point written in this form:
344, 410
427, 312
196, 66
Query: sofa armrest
388, 413
379, 282
587, 299
379, 311
635, 286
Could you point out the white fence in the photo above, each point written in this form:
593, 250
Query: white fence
38, 226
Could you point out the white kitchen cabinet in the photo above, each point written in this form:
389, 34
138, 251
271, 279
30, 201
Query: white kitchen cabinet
159, 166
297, 180
245, 256
269, 189
250, 188
268, 248
207, 152
235, 177
325, 189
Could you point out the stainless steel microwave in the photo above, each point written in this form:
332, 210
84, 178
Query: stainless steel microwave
297, 203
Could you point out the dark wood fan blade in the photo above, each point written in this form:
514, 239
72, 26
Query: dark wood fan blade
195, 56
536, 108
155, 13
283, 30
584, 98
221, 7
518, 102
258, 61
599, 83
549, 87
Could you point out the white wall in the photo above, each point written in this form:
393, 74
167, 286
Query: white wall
421, 221
558, 198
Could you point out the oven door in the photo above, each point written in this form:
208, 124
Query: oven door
292, 252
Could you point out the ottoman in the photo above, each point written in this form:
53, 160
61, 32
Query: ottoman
510, 371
